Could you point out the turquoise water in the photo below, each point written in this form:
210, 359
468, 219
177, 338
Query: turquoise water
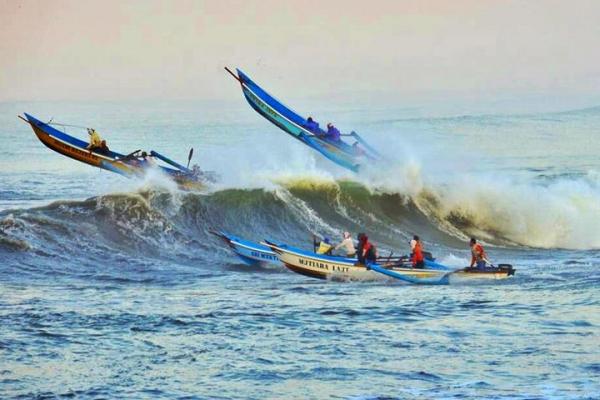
114, 288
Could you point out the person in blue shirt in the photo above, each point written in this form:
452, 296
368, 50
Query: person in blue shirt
311, 125
333, 133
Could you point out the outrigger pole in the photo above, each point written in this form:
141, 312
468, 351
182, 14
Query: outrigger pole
365, 144
169, 161
443, 280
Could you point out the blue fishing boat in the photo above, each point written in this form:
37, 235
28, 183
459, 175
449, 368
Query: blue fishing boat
251, 253
338, 151
127, 165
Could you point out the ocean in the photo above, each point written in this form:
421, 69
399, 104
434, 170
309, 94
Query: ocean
115, 288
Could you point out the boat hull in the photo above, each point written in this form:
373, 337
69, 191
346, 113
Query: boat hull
487, 273
249, 252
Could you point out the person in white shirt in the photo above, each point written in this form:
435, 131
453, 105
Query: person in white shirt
347, 244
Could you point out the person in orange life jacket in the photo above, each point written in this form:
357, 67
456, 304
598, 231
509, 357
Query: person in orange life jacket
366, 252
418, 261
478, 256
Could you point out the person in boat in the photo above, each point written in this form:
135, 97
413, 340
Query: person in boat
478, 256
103, 148
418, 261
413, 243
311, 125
147, 160
333, 133
325, 247
95, 140
347, 244
366, 251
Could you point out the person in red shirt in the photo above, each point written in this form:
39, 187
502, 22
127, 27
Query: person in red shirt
418, 261
478, 256
366, 252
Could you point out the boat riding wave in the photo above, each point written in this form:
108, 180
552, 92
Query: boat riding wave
97, 154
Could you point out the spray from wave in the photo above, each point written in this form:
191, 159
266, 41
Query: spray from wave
559, 213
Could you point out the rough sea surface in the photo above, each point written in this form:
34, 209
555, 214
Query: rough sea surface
115, 288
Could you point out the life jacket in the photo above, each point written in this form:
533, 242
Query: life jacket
369, 251
95, 140
417, 253
366, 251
477, 253
324, 248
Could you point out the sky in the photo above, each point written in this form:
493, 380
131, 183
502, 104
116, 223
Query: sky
121, 49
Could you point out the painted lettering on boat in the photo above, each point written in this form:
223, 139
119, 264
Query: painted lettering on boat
323, 265
264, 256
262, 105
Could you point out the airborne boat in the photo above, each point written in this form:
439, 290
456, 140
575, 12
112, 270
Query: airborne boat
127, 165
350, 156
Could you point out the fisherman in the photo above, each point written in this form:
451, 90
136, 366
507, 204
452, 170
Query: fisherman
103, 148
418, 261
478, 256
333, 133
413, 243
147, 160
347, 244
95, 140
311, 125
325, 247
366, 252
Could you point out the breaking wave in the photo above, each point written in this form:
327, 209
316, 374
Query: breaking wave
171, 225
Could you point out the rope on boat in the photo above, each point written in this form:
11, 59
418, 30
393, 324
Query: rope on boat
65, 125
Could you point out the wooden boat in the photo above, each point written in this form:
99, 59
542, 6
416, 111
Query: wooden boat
340, 268
126, 165
340, 152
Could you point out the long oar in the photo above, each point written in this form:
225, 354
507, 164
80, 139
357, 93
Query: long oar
190, 157
489, 262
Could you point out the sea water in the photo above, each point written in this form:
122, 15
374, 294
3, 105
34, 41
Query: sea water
115, 288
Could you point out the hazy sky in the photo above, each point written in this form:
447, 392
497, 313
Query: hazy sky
115, 49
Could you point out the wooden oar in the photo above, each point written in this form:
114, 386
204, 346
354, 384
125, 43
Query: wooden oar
190, 157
